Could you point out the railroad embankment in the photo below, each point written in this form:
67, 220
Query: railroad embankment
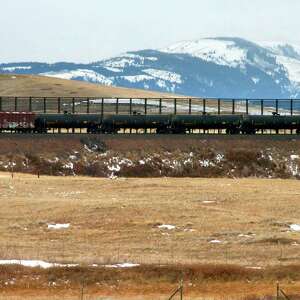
152, 156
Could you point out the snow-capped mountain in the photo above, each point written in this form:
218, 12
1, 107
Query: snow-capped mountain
212, 67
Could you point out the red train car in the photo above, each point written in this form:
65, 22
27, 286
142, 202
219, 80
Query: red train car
17, 121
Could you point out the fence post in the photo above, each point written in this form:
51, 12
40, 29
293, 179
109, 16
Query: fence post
160, 104
73, 105
292, 107
233, 106
181, 289
262, 107
58, 105
30, 104
102, 107
284, 294
190, 106
130, 106
276, 105
175, 106
219, 107
145, 106
247, 107
45, 108
204, 106
88, 105
117, 106
178, 290
82, 289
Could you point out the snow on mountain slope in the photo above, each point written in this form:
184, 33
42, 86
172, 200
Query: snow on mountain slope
288, 56
232, 52
283, 49
85, 75
164, 75
213, 50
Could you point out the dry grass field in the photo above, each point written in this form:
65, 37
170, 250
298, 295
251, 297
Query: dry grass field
225, 237
41, 86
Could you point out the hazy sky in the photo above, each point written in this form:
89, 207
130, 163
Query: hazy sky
88, 30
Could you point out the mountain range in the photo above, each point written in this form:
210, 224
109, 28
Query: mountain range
210, 67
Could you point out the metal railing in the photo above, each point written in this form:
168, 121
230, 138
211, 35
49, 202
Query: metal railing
150, 105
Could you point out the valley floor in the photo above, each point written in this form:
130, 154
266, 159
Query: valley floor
221, 235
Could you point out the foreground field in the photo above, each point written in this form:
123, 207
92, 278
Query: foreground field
215, 220
192, 223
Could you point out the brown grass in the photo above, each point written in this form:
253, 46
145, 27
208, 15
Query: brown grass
41, 86
116, 221
171, 156
200, 281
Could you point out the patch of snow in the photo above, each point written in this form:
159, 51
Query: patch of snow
166, 226
215, 242
126, 60
114, 168
189, 230
246, 235
161, 83
292, 67
12, 69
69, 165
205, 163
86, 75
58, 226
219, 157
137, 78
294, 157
123, 265
208, 202
152, 58
294, 169
164, 75
115, 70
35, 263
295, 227
255, 80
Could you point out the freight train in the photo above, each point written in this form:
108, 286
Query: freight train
22, 122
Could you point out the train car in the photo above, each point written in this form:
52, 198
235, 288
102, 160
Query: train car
17, 121
183, 123
45, 122
24, 122
252, 124
113, 123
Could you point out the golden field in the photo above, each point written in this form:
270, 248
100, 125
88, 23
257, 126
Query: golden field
231, 235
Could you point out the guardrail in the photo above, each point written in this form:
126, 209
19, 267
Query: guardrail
150, 105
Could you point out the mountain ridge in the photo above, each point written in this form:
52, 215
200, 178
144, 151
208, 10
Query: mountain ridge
220, 67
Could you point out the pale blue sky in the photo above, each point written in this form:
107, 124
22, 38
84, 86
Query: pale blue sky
88, 30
